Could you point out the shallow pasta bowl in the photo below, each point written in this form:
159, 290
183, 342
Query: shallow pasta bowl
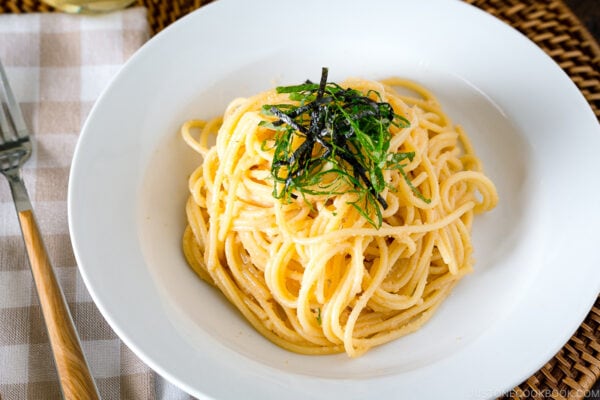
529, 124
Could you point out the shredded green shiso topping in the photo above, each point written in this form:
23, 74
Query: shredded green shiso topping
334, 139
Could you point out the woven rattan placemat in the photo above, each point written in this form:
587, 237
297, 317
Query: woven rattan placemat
549, 23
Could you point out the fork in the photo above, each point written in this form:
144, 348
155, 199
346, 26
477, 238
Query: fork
15, 149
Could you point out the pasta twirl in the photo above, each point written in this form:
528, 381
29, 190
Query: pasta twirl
313, 274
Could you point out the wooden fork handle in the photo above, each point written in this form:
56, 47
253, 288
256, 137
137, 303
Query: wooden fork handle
75, 378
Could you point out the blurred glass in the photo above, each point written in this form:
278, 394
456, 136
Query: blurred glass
88, 6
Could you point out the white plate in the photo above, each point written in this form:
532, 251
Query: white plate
536, 274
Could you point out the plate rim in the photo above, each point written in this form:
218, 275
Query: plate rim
72, 178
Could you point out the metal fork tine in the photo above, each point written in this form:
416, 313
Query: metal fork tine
4, 126
13, 108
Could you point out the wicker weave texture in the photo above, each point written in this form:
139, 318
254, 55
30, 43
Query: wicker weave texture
553, 27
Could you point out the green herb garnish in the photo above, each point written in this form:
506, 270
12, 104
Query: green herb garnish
333, 141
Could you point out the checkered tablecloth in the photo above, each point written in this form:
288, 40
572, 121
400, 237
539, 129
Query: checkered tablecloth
58, 65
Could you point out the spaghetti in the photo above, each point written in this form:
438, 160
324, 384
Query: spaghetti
312, 273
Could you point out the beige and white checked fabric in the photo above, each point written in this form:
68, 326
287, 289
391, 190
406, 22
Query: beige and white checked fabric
58, 65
